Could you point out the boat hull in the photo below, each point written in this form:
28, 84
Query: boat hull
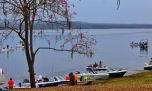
47, 84
117, 74
149, 67
92, 77
111, 72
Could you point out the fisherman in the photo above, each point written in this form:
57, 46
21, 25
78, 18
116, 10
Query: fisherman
7, 46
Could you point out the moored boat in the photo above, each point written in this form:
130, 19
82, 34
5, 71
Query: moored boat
47, 82
148, 66
93, 76
110, 71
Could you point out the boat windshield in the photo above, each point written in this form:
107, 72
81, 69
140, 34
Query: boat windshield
55, 78
60, 77
51, 79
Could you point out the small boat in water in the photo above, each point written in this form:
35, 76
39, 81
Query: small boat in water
6, 49
143, 44
112, 73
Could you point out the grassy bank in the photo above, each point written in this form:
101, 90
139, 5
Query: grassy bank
136, 82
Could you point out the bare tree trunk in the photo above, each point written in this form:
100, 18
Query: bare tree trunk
31, 67
29, 55
32, 75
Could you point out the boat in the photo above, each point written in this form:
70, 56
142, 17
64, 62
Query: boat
147, 66
61, 79
6, 49
93, 76
112, 73
46, 82
143, 44
134, 44
86, 78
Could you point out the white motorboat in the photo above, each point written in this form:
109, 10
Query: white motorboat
92, 76
46, 82
110, 71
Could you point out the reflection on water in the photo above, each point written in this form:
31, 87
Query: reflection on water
144, 51
113, 49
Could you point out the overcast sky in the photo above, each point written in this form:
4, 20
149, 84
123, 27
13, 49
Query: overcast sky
105, 11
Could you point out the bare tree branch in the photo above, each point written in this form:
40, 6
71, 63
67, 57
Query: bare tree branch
68, 50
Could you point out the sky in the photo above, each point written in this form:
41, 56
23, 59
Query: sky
105, 11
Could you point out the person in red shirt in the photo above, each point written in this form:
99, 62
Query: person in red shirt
10, 84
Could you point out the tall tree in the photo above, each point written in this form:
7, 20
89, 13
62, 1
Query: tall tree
20, 16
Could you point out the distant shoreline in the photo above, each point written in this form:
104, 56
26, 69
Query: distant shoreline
86, 25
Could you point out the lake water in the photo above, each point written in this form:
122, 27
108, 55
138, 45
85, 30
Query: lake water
112, 48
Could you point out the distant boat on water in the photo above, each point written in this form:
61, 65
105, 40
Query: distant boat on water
6, 49
143, 44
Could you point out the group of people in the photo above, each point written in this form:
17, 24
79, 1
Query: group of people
96, 65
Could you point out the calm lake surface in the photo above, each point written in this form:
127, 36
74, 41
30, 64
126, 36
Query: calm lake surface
112, 48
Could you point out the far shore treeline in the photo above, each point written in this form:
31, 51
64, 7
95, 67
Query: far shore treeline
85, 25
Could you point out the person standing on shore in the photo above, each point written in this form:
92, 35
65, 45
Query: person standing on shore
71, 75
11, 84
